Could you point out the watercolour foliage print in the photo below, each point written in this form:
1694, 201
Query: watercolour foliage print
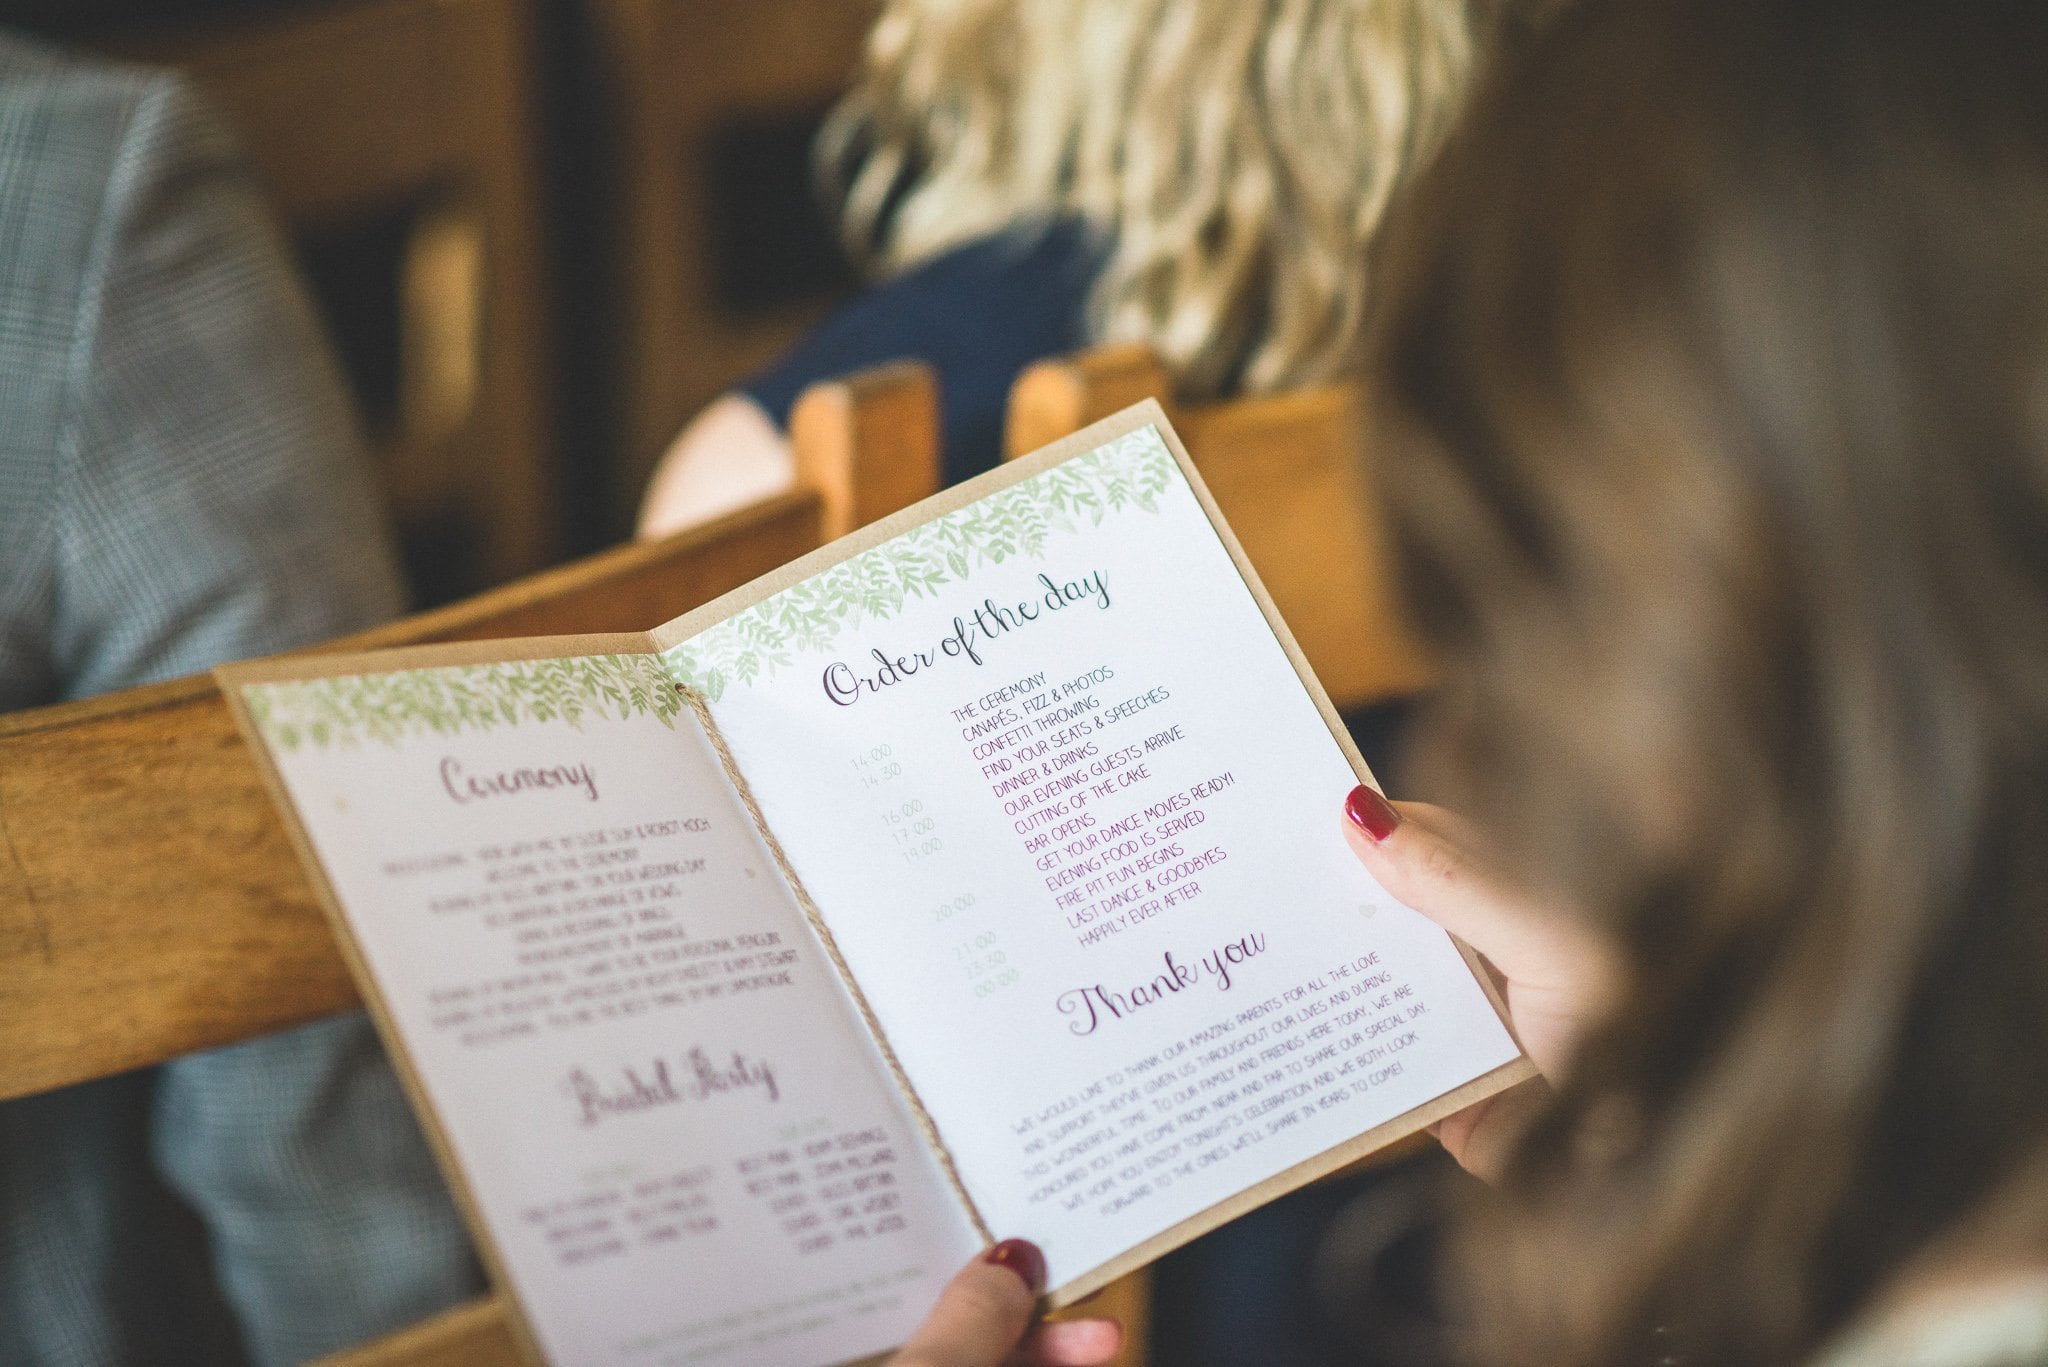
1128, 474
350, 709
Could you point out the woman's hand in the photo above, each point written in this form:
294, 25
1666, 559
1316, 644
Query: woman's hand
983, 1319
1558, 978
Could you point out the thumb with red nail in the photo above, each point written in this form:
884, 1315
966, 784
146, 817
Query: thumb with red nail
985, 1318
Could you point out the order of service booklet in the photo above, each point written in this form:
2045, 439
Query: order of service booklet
975, 877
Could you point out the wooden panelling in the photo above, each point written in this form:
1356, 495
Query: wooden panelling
683, 71
472, 1335
412, 119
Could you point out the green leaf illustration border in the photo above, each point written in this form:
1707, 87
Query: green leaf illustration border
347, 710
1127, 474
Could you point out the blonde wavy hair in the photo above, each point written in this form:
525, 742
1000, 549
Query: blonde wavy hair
1235, 155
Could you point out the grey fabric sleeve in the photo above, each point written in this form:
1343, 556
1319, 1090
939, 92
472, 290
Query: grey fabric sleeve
212, 504
213, 501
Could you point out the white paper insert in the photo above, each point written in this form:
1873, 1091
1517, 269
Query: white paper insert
680, 1138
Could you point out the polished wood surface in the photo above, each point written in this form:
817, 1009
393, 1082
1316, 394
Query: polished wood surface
1065, 394
477, 1335
868, 444
472, 1335
1285, 471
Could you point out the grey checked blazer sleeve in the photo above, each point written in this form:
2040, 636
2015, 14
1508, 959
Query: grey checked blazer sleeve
213, 499
182, 483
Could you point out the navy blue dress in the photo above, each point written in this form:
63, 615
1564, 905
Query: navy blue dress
978, 315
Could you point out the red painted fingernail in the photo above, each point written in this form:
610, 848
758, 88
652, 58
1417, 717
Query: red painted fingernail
1022, 1257
1371, 813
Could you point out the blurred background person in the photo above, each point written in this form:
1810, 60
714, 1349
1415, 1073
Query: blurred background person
1719, 471
1027, 177
184, 484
